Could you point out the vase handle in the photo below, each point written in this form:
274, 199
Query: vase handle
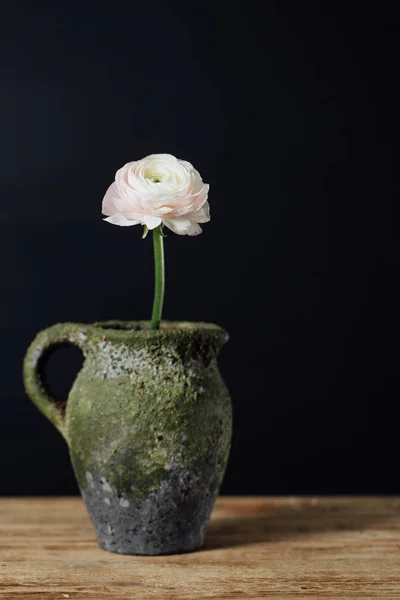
46, 341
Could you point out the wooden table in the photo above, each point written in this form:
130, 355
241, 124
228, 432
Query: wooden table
256, 548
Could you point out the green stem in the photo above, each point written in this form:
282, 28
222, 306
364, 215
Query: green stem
158, 245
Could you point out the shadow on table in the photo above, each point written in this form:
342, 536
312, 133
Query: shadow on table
266, 523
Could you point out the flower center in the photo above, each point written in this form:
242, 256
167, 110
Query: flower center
154, 176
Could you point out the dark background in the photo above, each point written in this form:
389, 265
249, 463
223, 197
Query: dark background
289, 110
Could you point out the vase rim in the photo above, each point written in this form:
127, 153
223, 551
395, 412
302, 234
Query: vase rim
166, 327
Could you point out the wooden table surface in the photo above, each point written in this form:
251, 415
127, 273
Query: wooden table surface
255, 548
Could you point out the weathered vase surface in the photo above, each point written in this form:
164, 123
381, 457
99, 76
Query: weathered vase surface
148, 423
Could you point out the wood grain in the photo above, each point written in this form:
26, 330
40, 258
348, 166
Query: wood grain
256, 548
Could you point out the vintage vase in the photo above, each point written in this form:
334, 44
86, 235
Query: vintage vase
148, 424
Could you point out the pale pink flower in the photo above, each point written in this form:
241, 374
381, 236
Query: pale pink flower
158, 189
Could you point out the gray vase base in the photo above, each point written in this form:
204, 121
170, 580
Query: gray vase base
145, 547
120, 534
171, 520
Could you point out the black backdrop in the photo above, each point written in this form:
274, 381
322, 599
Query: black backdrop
290, 113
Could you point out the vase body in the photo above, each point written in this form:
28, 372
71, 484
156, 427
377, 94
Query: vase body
148, 424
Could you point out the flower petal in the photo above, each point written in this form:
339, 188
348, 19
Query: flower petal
195, 229
179, 226
182, 226
119, 219
133, 215
151, 221
164, 210
122, 173
202, 215
108, 207
200, 198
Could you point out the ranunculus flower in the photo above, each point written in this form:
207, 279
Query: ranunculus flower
158, 189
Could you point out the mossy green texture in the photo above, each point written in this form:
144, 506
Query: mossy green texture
144, 403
